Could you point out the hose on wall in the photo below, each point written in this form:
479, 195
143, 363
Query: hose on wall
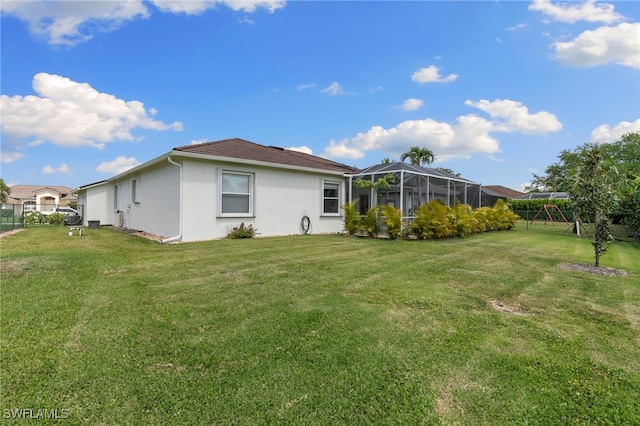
305, 225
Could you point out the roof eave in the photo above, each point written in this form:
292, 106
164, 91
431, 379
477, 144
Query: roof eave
255, 163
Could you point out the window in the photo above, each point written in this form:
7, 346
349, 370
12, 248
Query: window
330, 197
115, 197
135, 184
236, 194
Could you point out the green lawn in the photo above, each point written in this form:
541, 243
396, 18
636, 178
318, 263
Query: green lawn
111, 329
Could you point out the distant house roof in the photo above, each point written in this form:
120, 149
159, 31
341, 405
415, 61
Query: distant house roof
502, 191
246, 150
21, 193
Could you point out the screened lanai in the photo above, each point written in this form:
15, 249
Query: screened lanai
413, 186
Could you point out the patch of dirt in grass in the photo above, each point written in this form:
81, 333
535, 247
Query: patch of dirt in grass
447, 405
137, 233
167, 367
8, 233
15, 266
503, 307
591, 269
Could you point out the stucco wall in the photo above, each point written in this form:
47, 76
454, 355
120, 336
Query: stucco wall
281, 199
96, 202
156, 205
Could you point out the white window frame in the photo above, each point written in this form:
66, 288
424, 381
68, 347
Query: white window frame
250, 194
115, 197
323, 198
135, 191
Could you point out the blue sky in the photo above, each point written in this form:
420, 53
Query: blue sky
496, 89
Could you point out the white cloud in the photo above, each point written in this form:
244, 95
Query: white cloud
199, 141
607, 134
619, 44
10, 154
470, 134
375, 89
333, 89
512, 116
90, 118
70, 23
117, 166
431, 74
304, 149
194, 7
304, 86
73, 22
341, 150
580, 11
411, 104
517, 27
62, 168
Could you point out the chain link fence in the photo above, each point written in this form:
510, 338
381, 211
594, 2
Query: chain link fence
15, 216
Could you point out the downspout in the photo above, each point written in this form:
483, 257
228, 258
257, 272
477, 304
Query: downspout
179, 236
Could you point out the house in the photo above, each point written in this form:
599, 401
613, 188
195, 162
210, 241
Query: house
40, 198
492, 193
202, 191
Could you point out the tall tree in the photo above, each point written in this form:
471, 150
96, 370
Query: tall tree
594, 198
5, 191
623, 154
419, 156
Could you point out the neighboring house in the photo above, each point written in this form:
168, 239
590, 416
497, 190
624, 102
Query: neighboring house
40, 198
492, 193
202, 191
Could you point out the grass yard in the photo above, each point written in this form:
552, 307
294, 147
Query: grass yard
109, 329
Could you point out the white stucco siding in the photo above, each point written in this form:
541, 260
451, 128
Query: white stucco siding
155, 207
97, 204
280, 199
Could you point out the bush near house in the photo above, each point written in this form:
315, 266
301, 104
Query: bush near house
55, 218
434, 220
31, 217
242, 231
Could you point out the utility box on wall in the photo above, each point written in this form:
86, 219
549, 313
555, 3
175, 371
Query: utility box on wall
94, 224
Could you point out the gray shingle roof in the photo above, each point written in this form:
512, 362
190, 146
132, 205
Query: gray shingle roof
246, 150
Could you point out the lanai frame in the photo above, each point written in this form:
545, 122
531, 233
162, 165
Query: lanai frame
414, 186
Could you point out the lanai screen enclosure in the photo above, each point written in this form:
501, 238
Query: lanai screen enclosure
413, 187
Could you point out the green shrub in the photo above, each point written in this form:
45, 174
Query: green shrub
242, 231
393, 221
55, 219
463, 220
432, 222
352, 222
32, 217
527, 209
503, 217
370, 222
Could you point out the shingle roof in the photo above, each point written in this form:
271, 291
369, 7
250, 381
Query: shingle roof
28, 192
246, 150
504, 191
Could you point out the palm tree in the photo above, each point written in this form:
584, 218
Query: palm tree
419, 156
